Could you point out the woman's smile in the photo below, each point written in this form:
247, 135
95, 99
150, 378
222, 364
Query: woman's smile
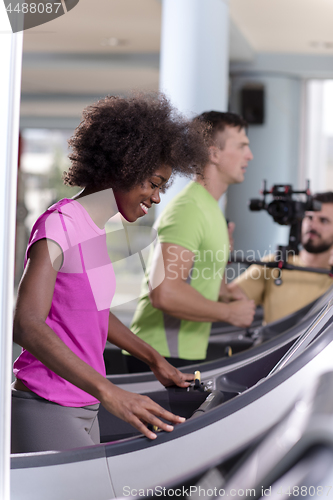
144, 208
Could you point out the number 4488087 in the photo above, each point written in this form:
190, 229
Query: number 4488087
305, 491
34, 8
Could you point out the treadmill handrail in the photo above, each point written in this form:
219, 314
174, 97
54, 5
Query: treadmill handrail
304, 340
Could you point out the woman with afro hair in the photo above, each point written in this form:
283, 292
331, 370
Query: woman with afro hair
123, 154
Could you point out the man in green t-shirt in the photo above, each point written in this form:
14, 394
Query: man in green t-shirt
184, 276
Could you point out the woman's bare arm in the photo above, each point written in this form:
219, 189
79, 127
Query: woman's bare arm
31, 332
167, 374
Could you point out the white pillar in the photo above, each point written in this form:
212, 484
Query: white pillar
315, 140
194, 60
10, 85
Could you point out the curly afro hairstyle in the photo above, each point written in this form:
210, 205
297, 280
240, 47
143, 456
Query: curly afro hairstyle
121, 142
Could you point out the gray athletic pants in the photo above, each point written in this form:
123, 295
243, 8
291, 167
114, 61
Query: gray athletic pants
39, 425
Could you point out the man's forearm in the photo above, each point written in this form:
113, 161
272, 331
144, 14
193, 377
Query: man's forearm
184, 302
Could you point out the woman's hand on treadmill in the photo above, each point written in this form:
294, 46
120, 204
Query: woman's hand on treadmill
169, 375
139, 411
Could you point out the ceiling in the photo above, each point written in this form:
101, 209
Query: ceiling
89, 24
287, 26
111, 46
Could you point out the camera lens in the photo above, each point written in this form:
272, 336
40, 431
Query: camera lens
281, 211
255, 205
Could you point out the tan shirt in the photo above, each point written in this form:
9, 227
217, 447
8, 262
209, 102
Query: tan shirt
298, 288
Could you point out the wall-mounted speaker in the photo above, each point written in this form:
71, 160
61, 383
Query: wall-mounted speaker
253, 104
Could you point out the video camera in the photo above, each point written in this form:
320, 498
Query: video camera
286, 210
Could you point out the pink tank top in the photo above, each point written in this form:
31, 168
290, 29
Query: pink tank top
83, 292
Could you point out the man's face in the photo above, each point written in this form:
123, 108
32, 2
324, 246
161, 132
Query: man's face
232, 154
317, 229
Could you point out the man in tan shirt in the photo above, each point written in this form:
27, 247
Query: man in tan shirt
298, 288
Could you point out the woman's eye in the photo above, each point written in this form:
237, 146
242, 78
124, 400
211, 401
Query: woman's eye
162, 187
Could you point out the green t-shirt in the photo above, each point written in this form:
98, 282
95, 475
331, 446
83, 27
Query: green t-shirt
193, 220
